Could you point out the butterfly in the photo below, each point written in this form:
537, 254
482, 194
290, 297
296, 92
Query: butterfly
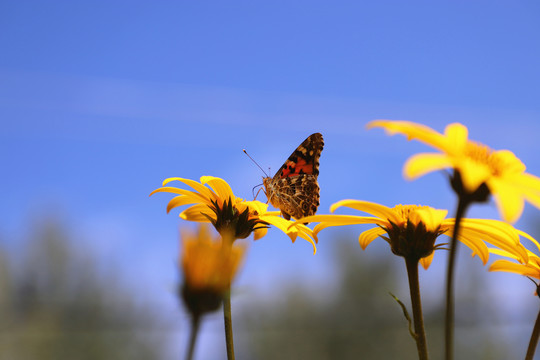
294, 188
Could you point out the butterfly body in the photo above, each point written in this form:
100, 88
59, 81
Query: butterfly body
294, 189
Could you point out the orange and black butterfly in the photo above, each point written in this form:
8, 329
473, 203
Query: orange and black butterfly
294, 189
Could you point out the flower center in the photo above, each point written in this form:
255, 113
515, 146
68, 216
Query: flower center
405, 211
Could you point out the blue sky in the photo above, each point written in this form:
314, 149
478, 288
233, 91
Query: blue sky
100, 101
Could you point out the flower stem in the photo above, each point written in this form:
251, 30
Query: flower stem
418, 318
463, 203
534, 339
195, 324
227, 317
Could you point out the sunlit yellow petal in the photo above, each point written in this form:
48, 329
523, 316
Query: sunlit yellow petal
174, 190
281, 224
421, 164
502, 171
412, 131
477, 246
201, 189
309, 236
511, 163
195, 213
220, 187
532, 197
293, 231
260, 207
508, 266
504, 253
341, 220
480, 232
372, 208
529, 237
509, 200
472, 173
180, 200
528, 181
432, 218
368, 236
456, 137
491, 227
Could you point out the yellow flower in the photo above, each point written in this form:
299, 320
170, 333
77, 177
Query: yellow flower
530, 268
274, 218
476, 164
209, 266
218, 205
412, 230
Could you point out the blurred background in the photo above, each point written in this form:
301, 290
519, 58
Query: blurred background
100, 101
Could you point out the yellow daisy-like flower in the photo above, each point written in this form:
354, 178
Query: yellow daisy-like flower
530, 268
475, 163
412, 230
212, 200
209, 265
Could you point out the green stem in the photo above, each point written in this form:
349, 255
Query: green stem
227, 316
418, 317
534, 339
195, 324
449, 319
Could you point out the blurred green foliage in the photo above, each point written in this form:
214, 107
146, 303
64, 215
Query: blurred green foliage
358, 318
55, 304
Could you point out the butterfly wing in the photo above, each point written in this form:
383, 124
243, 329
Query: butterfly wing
296, 196
294, 188
303, 160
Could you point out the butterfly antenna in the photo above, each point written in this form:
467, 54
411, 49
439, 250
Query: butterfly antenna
245, 152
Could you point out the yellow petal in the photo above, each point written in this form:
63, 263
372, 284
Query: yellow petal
372, 208
494, 232
412, 130
259, 207
503, 253
432, 218
477, 246
174, 190
421, 164
491, 226
191, 196
532, 197
426, 261
456, 137
368, 236
291, 231
280, 223
220, 187
508, 198
259, 233
195, 213
525, 235
512, 164
180, 200
508, 266
341, 220
304, 230
200, 188
472, 173
525, 180
305, 236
